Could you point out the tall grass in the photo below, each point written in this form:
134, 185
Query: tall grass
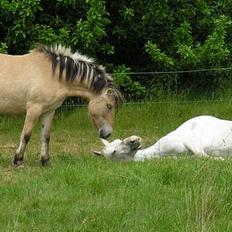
81, 192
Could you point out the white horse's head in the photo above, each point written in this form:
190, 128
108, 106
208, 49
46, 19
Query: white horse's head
120, 149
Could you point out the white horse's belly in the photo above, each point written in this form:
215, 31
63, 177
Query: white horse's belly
220, 147
217, 139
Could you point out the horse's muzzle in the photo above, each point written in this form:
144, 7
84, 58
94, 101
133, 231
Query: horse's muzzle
105, 132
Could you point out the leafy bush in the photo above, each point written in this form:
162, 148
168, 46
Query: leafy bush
141, 35
3, 48
132, 89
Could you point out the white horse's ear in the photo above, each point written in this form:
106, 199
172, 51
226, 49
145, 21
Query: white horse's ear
109, 91
105, 142
98, 153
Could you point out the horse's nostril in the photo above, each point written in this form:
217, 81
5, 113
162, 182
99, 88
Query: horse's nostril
103, 135
107, 136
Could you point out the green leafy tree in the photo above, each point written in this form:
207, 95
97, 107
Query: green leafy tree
130, 35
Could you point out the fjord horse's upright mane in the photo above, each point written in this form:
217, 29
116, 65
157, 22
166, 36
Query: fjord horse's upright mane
79, 69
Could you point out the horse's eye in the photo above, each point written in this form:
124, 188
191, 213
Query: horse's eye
109, 107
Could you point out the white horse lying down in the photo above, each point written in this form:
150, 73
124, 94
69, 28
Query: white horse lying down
202, 136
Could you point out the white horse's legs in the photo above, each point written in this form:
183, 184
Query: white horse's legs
31, 116
196, 148
46, 122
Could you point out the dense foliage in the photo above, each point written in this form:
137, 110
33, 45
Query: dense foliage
161, 35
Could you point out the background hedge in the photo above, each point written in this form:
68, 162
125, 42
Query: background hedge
135, 35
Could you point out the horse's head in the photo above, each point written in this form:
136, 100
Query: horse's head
102, 110
120, 149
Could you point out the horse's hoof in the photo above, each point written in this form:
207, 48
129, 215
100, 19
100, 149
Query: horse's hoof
44, 161
17, 161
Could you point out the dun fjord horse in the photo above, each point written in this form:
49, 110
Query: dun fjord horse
37, 83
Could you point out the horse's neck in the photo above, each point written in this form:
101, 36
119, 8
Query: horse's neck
154, 151
78, 91
171, 144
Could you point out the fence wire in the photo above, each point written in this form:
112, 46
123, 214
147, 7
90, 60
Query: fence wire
174, 72
210, 101
149, 98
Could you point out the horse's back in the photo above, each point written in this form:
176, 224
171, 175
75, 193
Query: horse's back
204, 123
13, 67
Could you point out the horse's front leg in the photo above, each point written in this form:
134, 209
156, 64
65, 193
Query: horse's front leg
46, 121
32, 115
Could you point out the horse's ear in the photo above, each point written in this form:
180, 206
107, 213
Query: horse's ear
105, 142
98, 153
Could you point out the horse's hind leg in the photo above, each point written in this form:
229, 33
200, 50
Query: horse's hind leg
46, 121
32, 114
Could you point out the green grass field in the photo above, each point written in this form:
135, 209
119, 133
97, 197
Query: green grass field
81, 192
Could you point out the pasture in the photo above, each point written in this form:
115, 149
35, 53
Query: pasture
81, 192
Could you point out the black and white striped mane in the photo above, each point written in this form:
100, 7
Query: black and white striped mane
81, 69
